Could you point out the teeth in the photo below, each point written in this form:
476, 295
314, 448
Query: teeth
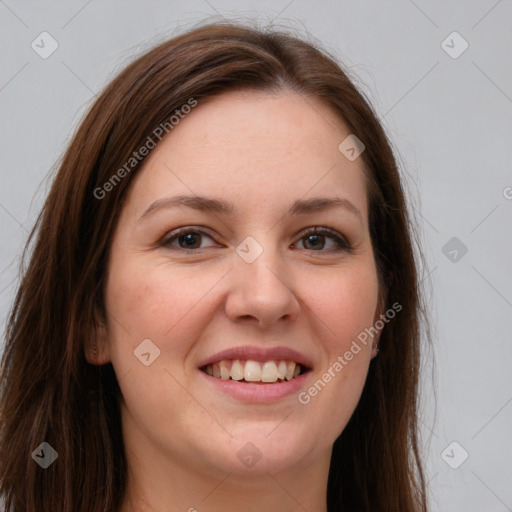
237, 370
269, 372
281, 370
254, 371
290, 369
224, 372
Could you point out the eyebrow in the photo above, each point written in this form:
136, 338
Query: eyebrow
205, 204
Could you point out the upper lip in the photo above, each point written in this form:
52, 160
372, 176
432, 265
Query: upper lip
261, 354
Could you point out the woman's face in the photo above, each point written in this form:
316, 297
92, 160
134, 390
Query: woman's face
245, 283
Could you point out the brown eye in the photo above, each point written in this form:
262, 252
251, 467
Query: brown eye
315, 240
185, 238
190, 241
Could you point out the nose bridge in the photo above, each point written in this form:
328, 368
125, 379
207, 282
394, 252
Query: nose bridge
260, 261
262, 287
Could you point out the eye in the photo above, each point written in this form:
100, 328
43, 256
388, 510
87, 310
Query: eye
186, 238
315, 239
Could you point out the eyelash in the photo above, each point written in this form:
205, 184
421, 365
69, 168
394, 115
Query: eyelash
343, 244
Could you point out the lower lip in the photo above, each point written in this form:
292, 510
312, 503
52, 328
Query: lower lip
258, 393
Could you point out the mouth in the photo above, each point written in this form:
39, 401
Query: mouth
255, 372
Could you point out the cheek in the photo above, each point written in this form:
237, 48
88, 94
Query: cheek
346, 302
154, 297
167, 305
156, 301
346, 307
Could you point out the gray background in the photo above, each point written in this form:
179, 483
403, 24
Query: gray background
450, 119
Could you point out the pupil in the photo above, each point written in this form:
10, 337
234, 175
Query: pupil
189, 239
316, 241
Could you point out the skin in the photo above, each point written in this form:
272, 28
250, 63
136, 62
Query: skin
262, 152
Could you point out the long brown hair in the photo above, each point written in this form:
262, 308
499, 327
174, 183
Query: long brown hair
49, 392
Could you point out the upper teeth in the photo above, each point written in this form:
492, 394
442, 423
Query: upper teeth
254, 371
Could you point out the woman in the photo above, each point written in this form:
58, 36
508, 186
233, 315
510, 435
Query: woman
221, 309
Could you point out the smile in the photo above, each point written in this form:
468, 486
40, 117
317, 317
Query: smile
254, 371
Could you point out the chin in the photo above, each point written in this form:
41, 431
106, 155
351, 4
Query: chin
254, 450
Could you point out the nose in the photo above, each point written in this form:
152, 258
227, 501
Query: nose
262, 291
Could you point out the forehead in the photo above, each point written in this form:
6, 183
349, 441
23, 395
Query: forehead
257, 150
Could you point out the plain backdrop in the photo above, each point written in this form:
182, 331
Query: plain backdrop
448, 111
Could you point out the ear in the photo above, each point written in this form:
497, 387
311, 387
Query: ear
97, 348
